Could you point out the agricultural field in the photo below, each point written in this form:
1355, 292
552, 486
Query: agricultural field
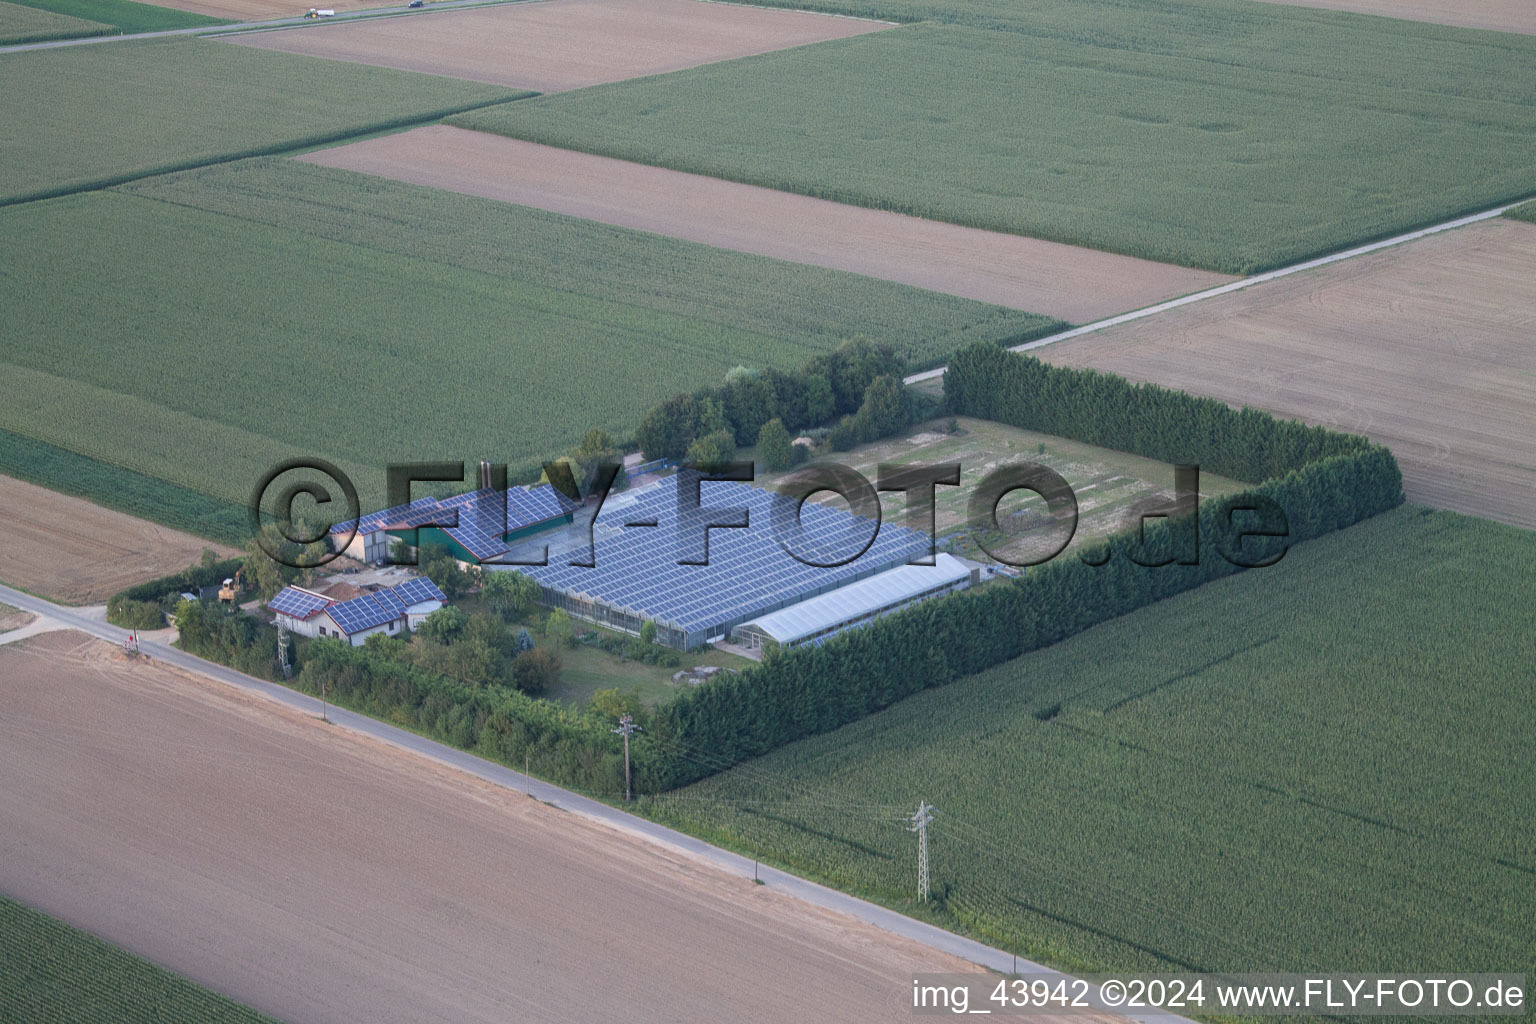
121, 16
262, 10
1424, 347
1230, 136
332, 878
55, 972
1109, 485
417, 330
1496, 15
1322, 765
556, 45
1069, 282
71, 125
20, 24
69, 550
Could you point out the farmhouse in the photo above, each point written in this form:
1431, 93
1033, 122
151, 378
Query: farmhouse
476, 530
388, 611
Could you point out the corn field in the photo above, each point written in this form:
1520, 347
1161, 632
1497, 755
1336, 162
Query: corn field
1102, 124
55, 974
1298, 768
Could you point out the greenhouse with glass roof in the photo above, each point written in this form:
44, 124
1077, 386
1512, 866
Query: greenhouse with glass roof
861, 602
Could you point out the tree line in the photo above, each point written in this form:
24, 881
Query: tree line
1322, 481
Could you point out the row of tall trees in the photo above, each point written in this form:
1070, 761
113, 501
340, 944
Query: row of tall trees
1321, 481
831, 385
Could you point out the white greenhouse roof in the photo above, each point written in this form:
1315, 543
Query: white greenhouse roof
859, 600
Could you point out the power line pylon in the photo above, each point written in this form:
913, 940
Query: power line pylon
627, 727
919, 823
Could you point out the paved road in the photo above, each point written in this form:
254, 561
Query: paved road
90, 620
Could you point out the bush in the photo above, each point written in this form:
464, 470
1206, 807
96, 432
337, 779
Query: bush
124, 611
845, 436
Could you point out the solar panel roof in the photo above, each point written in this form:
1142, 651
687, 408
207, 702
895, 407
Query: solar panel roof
636, 568
379, 607
301, 604
479, 527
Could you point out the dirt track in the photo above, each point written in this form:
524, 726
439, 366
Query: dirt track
1425, 347
562, 44
1500, 15
320, 876
1025, 273
70, 550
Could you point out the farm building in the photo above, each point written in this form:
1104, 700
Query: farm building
814, 620
387, 611
480, 534
636, 577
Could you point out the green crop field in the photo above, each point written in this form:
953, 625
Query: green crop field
1322, 765
1526, 212
200, 327
124, 16
57, 973
20, 24
1222, 134
71, 123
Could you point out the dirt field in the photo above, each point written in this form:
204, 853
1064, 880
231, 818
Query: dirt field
70, 550
1500, 15
1425, 347
321, 876
1025, 273
563, 44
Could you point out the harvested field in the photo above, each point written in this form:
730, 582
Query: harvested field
317, 875
1424, 347
1063, 281
1499, 15
563, 44
70, 550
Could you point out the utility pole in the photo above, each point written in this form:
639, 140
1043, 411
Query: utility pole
627, 727
324, 711
919, 824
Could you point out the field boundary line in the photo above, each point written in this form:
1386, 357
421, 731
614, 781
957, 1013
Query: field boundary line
285, 148
237, 27
1247, 282
596, 811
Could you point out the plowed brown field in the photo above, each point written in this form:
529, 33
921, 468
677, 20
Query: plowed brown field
562, 44
321, 876
1500, 15
1427, 347
70, 550
1057, 280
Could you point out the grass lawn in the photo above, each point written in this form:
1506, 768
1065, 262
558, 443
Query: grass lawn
1107, 483
201, 327
79, 116
1222, 134
57, 973
1323, 765
124, 16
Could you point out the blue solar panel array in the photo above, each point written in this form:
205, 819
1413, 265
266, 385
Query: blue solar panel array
748, 572
376, 520
382, 606
298, 603
479, 528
